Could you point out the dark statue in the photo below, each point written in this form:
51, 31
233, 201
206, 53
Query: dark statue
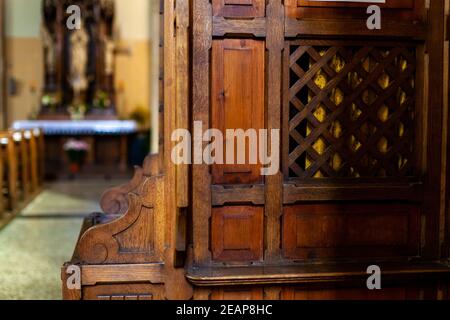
79, 64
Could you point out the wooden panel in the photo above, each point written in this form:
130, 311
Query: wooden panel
398, 4
238, 294
395, 293
224, 26
222, 195
325, 231
392, 10
237, 100
410, 190
239, 8
237, 233
123, 292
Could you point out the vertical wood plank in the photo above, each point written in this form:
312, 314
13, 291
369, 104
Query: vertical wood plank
272, 293
291, 7
285, 113
33, 149
25, 172
202, 294
447, 86
433, 183
238, 8
202, 42
182, 95
274, 184
41, 159
176, 286
12, 173
169, 119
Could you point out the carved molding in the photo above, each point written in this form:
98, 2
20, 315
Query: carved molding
128, 237
255, 27
114, 200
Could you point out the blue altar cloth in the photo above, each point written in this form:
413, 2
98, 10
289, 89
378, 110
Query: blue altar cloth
81, 127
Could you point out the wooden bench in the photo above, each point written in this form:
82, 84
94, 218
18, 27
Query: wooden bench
32, 159
22, 156
40, 155
21, 170
10, 173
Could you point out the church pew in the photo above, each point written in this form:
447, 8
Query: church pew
22, 156
32, 160
40, 151
10, 171
21, 170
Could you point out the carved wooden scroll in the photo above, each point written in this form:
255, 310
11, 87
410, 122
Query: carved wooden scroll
115, 200
135, 236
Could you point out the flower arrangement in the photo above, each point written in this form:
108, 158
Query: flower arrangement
76, 151
77, 111
50, 100
101, 100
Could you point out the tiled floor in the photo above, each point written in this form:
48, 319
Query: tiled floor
35, 245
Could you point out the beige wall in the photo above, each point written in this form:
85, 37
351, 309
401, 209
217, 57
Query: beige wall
134, 71
24, 56
133, 64
133, 79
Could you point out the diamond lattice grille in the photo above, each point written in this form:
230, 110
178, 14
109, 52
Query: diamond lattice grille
351, 110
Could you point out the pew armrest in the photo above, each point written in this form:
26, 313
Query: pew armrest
130, 229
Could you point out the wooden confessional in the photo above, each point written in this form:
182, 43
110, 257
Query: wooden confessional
363, 125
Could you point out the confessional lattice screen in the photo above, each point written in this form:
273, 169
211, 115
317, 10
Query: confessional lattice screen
351, 109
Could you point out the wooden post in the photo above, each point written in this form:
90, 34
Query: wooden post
34, 173
201, 177
39, 136
274, 184
22, 151
434, 178
12, 172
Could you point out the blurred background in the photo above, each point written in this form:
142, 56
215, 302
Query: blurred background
78, 110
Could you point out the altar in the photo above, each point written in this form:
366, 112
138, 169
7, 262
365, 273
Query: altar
78, 106
98, 147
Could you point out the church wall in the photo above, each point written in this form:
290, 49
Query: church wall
133, 63
132, 82
24, 67
23, 57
